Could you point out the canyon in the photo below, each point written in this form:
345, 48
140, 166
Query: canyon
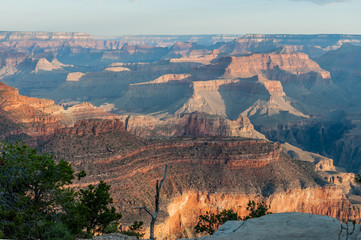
206, 173
272, 118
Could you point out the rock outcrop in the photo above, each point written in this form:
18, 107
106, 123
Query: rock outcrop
325, 167
9, 61
276, 103
41, 117
206, 98
198, 57
192, 124
74, 76
116, 67
44, 65
166, 78
257, 64
298, 226
38, 116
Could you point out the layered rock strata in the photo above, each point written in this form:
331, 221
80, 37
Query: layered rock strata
204, 174
294, 63
193, 124
40, 117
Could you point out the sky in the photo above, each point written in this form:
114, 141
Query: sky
163, 17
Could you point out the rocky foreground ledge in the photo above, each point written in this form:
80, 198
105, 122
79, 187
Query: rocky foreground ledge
285, 226
292, 225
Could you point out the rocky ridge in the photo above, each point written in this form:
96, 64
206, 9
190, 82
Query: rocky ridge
189, 124
38, 117
313, 45
44, 65
166, 78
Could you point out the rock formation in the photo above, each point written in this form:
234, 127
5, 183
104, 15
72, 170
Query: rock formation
325, 168
198, 57
116, 67
166, 78
74, 76
206, 98
38, 117
44, 65
184, 210
256, 64
9, 61
192, 124
205, 174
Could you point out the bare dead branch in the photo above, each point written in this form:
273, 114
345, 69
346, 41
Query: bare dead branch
158, 186
145, 209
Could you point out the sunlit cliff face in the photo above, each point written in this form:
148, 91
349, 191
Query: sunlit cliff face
185, 209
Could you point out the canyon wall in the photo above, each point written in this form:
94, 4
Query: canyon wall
295, 63
204, 174
38, 117
193, 124
185, 209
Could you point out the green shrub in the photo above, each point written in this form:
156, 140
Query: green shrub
36, 204
256, 210
210, 222
57, 232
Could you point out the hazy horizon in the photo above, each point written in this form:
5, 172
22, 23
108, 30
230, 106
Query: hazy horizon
195, 34
186, 17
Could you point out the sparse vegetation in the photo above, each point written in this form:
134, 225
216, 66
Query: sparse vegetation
256, 210
210, 222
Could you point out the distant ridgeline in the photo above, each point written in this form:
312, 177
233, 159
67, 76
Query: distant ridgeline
151, 40
321, 40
